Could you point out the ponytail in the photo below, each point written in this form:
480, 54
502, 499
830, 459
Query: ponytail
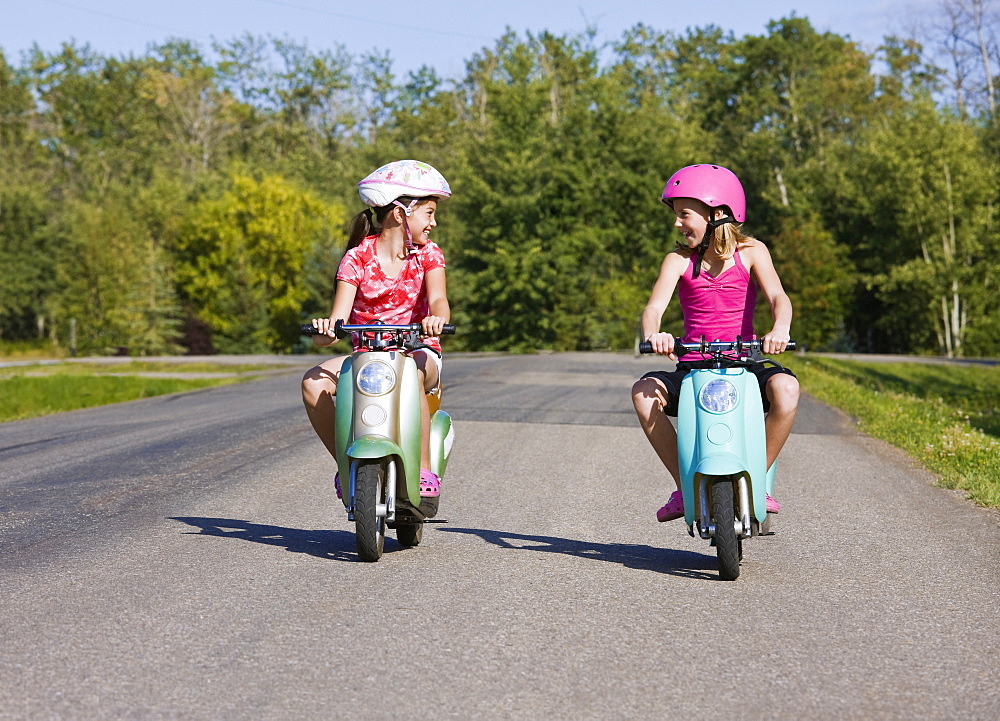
360, 228
369, 221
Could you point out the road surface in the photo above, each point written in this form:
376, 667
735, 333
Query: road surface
184, 557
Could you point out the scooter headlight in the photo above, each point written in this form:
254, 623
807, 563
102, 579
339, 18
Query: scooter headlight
376, 378
718, 396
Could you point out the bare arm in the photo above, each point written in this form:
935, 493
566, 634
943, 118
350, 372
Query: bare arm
343, 302
781, 307
663, 290
437, 298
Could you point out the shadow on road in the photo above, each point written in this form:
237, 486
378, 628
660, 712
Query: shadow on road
334, 545
686, 564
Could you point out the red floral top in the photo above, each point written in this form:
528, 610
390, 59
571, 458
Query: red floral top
394, 301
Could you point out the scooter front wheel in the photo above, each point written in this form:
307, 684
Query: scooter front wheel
369, 495
727, 545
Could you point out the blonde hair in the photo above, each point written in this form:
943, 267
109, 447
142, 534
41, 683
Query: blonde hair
725, 239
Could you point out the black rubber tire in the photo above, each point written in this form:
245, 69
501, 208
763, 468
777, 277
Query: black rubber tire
410, 534
727, 546
369, 529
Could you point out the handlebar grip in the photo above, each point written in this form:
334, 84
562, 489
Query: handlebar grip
645, 347
448, 329
310, 329
790, 346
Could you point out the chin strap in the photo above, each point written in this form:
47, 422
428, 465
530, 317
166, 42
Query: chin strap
410, 247
709, 233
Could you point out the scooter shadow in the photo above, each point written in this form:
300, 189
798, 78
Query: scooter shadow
686, 564
331, 545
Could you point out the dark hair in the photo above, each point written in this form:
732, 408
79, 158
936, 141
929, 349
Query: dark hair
369, 221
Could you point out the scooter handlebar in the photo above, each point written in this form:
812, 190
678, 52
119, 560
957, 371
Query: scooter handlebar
342, 330
685, 348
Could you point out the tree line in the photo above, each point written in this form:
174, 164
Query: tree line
193, 200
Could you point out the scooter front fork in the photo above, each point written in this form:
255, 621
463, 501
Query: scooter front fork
385, 510
742, 522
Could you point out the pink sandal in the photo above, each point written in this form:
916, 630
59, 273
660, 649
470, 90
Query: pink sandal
336, 485
430, 484
772, 505
673, 508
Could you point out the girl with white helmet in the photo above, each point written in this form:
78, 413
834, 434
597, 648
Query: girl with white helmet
394, 273
716, 270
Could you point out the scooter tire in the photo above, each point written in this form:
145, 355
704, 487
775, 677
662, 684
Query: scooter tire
727, 545
369, 527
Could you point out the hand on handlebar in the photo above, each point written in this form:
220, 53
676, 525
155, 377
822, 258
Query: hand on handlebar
433, 325
326, 335
663, 344
775, 342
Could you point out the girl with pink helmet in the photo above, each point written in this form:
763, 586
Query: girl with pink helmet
393, 272
716, 270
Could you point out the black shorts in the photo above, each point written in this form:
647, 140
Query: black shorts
672, 380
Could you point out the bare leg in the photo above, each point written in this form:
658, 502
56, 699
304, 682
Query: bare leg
650, 397
319, 390
429, 378
783, 394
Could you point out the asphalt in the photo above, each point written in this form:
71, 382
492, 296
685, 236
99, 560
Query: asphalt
184, 557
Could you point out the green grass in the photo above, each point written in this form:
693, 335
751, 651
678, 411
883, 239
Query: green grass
29, 396
945, 416
136, 366
37, 390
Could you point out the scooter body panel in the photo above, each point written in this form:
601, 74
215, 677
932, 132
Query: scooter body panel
713, 443
384, 425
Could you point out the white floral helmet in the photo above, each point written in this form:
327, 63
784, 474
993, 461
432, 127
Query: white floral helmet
402, 177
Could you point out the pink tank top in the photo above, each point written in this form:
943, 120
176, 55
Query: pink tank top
719, 308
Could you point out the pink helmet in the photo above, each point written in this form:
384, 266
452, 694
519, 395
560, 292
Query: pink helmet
713, 185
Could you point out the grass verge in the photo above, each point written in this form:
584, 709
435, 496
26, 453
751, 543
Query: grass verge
945, 416
43, 390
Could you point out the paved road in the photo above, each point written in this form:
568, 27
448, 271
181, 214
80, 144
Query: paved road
184, 558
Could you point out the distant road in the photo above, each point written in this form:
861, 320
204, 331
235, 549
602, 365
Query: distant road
298, 360
184, 557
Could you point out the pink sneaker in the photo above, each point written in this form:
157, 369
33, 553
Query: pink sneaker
674, 508
430, 484
772, 505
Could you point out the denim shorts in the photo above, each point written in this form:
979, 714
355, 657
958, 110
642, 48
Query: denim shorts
672, 380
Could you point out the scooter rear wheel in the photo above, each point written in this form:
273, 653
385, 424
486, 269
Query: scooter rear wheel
369, 527
727, 545
410, 534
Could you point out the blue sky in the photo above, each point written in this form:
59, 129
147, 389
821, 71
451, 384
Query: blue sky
442, 34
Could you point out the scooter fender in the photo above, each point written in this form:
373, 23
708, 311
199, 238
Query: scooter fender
721, 443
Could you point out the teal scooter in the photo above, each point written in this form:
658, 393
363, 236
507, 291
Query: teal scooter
721, 447
378, 435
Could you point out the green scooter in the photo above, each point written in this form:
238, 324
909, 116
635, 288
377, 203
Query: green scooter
378, 435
